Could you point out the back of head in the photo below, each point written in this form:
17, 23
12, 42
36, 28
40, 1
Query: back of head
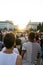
31, 36
21, 35
9, 40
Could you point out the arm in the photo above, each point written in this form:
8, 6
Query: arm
19, 60
39, 52
38, 55
23, 52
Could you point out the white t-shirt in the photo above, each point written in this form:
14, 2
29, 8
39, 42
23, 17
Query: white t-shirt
31, 52
35, 50
27, 56
14, 50
23, 40
8, 59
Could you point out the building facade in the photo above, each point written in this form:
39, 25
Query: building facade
6, 24
32, 25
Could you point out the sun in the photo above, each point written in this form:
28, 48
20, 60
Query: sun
21, 26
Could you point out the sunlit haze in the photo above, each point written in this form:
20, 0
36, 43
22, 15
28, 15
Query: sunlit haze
21, 11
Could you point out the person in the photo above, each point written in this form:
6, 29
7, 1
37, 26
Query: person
41, 44
23, 40
1, 35
18, 43
14, 50
37, 39
30, 51
1, 42
8, 57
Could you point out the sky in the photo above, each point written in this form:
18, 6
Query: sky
21, 11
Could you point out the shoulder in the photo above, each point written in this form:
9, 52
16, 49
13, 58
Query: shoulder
27, 43
24, 44
1, 53
19, 60
16, 50
37, 45
4, 49
19, 57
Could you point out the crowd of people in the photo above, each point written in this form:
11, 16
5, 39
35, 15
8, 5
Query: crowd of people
30, 51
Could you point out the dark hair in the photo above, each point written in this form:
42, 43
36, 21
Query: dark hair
21, 35
37, 37
0, 31
9, 40
5, 28
31, 36
1, 36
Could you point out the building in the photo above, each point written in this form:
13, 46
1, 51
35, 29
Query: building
6, 24
32, 25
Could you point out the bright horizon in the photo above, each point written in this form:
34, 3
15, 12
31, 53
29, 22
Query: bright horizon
21, 11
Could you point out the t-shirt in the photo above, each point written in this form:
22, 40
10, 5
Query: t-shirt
31, 52
14, 50
23, 40
27, 56
8, 59
35, 50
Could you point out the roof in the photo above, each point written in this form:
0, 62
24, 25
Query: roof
7, 21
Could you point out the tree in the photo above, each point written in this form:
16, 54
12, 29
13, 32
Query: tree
31, 29
40, 27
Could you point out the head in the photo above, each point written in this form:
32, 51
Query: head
31, 36
9, 40
17, 36
21, 35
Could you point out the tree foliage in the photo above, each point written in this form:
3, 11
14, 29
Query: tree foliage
40, 27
